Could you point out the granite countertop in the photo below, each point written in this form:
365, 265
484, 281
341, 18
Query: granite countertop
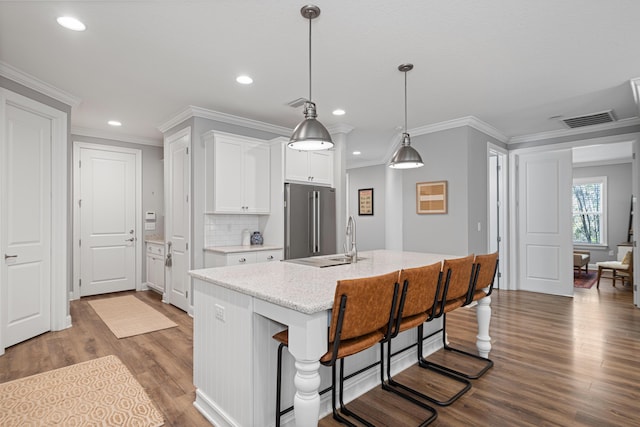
240, 248
308, 289
154, 238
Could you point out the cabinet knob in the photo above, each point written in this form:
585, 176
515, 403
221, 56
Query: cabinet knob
270, 257
242, 260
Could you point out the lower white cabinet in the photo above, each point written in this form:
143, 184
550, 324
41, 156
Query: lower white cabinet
155, 266
218, 259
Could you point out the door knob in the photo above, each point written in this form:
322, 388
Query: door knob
130, 240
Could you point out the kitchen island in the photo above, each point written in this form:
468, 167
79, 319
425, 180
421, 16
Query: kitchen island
237, 309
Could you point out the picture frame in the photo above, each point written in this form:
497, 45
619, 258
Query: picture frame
431, 197
365, 201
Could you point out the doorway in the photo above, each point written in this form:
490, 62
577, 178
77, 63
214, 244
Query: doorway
107, 219
497, 223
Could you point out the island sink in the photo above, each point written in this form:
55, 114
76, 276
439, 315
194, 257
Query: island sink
322, 262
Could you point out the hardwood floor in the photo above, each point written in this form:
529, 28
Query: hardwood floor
558, 362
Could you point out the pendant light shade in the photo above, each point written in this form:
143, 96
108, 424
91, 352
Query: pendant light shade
310, 134
406, 157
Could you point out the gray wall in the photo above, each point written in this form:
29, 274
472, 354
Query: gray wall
445, 159
618, 205
370, 228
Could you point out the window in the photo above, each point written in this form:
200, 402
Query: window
589, 207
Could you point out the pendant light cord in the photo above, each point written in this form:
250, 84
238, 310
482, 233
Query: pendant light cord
309, 59
405, 102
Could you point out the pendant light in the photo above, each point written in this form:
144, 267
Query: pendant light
406, 157
310, 134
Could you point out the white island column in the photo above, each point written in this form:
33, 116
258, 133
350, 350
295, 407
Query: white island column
483, 313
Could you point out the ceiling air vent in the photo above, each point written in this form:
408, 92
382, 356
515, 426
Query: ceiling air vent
590, 119
297, 102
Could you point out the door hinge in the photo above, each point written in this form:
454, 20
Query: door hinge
79, 203
187, 150
499, 274
187, 246
186, 294
187, 198
79, 242
79, 163
79, 282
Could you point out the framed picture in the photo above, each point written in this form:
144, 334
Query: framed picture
365, 201
431, 197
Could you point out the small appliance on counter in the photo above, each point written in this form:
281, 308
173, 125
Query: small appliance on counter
256, 238
246, 237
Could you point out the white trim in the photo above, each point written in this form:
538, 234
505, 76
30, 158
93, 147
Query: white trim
635, 88
104, 134
77, 145
504, 212
60, 317
192, 111
627, 137
470, 121
340, 128
18, 76
632, 121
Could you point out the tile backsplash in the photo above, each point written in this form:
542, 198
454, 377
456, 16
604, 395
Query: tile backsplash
226, 230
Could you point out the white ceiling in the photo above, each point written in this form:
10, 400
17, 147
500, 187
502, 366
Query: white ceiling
512, 64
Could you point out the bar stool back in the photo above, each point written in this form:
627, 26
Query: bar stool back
362, 316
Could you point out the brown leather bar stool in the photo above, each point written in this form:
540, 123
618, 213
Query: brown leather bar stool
484, 271
420, 287
362, 316
458, 278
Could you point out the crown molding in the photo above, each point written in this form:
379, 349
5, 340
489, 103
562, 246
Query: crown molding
470, 121
95, 133
340, 128
635, 88
19, 76
193, 111
632, 121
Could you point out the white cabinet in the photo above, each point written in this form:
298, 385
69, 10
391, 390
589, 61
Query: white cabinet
309, 166
241, 178
219, 259
155, 266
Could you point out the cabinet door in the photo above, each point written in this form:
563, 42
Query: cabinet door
228, 174
256, 178
296, 165
155, 272
321, 167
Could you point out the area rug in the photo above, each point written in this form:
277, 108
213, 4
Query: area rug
100, 392
584, 280
127, 316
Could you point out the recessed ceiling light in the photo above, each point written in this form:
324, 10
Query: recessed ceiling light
356, 153
338, 112
114, 123
244, 80
71, 23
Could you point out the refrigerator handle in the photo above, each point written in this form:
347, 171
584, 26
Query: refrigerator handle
318, 221
287, 219
314, 222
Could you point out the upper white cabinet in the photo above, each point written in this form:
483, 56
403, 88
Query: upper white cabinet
241, 174
309, 166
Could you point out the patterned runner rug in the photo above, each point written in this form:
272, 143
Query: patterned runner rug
100, 392
127, 316
584, 280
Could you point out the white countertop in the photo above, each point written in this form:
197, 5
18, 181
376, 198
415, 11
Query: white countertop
240, 248
154, 238
308, 289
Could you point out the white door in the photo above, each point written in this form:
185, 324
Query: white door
25, 218
178, 221
107, 211
544, 216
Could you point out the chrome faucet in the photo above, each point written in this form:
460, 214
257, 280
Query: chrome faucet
350, 239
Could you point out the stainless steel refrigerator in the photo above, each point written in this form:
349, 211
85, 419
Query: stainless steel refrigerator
309, 221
